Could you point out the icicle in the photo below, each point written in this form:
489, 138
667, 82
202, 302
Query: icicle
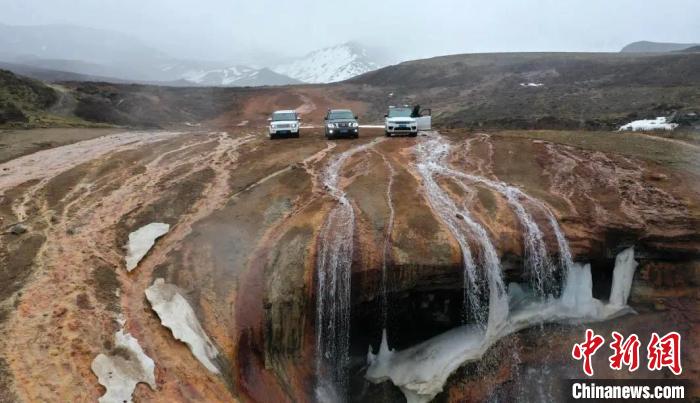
625, 265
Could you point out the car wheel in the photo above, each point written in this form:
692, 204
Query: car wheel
414, 134
296, 135
272, 136
387, 134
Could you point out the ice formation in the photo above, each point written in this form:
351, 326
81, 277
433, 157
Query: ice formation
660, 123
422, 370
120, 372
141, 241
176, 314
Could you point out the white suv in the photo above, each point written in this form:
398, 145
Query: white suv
285, 122
399, 120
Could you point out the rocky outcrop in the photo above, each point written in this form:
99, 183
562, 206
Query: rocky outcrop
240, 260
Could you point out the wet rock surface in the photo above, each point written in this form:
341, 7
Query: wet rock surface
246, 216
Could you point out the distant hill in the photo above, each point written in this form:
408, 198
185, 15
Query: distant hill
21, 98
88, 54
692, 49
536, 90
183, 73
54, 76
655, 47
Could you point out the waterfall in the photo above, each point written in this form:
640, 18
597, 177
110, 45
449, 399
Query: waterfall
422, 370
387, 243
431, 163
333, 267
537, 262
430, 153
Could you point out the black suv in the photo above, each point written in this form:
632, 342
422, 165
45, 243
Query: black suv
341, 122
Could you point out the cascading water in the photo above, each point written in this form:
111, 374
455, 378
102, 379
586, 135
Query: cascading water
387, 241
431, 163
430, 154
537, 262
333, 266
422, 370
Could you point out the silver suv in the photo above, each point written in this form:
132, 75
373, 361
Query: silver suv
285, 122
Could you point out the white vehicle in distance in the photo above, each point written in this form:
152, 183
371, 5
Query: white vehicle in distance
286, 122
406, 120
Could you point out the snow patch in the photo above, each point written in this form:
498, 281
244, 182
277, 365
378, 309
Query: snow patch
122, 370
660, 123
422, 370
176, 314
531, 84
141, 241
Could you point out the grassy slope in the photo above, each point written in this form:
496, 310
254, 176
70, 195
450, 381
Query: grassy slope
28, 103
669, 153
152, 106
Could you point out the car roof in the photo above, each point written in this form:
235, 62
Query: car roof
285, 111
339, 110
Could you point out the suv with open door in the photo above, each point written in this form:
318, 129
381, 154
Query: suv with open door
406, 120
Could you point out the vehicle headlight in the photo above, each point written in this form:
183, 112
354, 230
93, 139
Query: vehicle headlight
355, 124
330, 125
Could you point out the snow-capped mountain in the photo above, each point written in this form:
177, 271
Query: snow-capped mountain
234, 76
336, 63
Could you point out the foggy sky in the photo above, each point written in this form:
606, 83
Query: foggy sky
235, 30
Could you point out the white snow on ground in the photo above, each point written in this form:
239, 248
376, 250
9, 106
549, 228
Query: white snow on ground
531, 84
120, 372
372, 126
141, 241
659, 123
328, 65
422, 370
176, 314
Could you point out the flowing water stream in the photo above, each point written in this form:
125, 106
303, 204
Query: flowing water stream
333, 267
387, 241
431, 163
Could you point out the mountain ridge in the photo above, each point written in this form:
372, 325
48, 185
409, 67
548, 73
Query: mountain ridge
330, 64
655, 47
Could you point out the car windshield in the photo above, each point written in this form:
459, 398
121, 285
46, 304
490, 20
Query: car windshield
284, 116
341, 115
400, 113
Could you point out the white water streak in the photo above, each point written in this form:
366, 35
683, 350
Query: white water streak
432, 155
387, 240
333, 270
